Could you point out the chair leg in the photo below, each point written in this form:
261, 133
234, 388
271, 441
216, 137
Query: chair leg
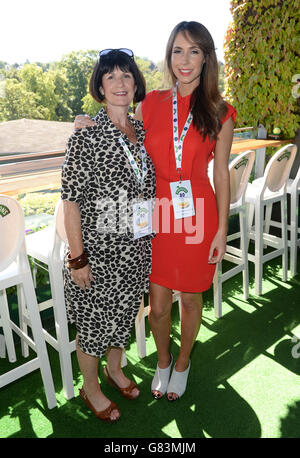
22, 322
293, 235
2, 345
259, 223
244, 249
176, 297
283, 207
268, 218
123, 359
217, 288
249, 218
7, 331
40, 344
179, 306
140, 331
62, 331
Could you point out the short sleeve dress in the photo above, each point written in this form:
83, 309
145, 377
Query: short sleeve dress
180, 249
98, 176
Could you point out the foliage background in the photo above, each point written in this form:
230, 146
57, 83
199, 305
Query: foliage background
36, 203
58, 91
261, 60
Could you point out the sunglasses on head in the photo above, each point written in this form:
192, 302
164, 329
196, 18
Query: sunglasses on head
127, 51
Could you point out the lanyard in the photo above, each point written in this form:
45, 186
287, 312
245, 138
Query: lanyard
133, 163
178, 142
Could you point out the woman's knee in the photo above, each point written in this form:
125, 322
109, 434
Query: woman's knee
160, 302
159, 311
191, 302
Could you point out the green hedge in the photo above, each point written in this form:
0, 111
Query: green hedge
35, 203
261, 60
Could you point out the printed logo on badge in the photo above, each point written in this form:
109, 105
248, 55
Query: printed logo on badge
182, 199
4, 211
182, 193
142, 219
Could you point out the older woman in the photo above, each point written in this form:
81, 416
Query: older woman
108, 182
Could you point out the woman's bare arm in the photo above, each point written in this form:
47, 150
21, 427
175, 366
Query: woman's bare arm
138, 115
222, 190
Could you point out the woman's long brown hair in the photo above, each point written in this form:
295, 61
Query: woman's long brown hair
207, 104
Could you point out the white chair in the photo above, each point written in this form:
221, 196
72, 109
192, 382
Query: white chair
239, 170
293, 189
261, 193
2, 343
140, 323
15, 270
47, 246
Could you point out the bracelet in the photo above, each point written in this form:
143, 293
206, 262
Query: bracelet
77, 263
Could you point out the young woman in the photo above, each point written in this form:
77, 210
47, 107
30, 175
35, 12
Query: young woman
185, 127
109, 259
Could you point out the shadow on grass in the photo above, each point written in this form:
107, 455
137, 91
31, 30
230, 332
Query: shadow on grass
211, 407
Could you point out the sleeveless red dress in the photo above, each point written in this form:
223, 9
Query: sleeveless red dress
181, 247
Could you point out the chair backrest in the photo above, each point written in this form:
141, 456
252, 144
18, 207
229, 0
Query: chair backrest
56, 253
210, 172
59, 221
278, 168
12, 228
239, 171
296, 180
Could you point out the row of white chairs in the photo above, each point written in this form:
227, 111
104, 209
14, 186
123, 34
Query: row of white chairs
15, 271
247, 200
253, 202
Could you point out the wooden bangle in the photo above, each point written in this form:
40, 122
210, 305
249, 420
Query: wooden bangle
77, 263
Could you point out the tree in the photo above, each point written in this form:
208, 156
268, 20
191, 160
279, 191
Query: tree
20, 103
42, 85
35, 94
261, 59
90, 105
78, 67
153, 76
59, 90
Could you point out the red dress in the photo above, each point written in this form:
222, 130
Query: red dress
181, 247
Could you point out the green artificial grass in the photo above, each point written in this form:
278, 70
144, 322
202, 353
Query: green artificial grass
244, 380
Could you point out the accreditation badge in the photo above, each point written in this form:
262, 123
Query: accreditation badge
142, 219
182, 199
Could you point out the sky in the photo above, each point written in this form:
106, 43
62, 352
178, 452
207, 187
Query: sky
43, 31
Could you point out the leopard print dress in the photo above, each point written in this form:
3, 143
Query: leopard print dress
98, 176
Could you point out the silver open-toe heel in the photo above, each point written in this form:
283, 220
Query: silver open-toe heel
178, 382
161, 379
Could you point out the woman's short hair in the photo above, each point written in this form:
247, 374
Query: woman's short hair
106, 64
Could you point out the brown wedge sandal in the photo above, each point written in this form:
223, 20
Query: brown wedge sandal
103, 415
127, 391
